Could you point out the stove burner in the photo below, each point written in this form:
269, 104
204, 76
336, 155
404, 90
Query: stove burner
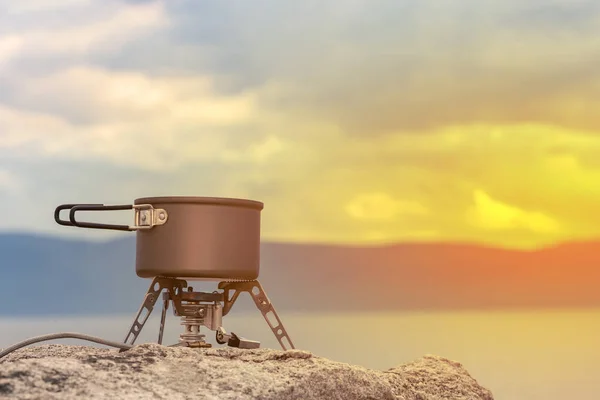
201, 309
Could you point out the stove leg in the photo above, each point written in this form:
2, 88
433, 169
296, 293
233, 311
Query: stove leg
258, 294
163, 317
156, 287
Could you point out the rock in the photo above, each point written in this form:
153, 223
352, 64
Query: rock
151, 371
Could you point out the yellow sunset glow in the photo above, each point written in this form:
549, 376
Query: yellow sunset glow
518, 186
376, 123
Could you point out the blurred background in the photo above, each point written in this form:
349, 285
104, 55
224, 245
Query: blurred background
429, 171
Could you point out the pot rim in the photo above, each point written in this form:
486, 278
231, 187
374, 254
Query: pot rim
218, 201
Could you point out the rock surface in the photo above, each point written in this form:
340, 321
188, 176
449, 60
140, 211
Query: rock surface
151, 371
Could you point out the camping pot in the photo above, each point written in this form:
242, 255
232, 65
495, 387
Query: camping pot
187, 237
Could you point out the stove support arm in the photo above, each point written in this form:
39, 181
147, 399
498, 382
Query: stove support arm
156, 287
256, 291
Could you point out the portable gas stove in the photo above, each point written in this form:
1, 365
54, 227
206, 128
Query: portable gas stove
203, 309
193, 238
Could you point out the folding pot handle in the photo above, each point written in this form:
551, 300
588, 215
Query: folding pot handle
98, 207
146, 216
67, 207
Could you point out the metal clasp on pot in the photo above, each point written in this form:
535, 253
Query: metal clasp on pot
146, 216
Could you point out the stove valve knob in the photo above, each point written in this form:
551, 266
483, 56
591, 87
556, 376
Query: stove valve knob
222, 336
234, 340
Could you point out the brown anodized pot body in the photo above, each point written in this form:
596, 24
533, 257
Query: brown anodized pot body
200, 237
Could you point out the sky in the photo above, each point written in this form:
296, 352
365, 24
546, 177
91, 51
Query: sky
354, 121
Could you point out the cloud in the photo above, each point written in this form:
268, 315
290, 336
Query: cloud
381, 206
126, 118
259, 153
389, 66
33, 6
492, 214
75, 27
373, 121
370, 67
87, 95
9, 183
9, 46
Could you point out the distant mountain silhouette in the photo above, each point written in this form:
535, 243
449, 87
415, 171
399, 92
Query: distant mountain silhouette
48, 275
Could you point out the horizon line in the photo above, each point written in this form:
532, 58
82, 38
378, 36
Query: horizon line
348, 244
